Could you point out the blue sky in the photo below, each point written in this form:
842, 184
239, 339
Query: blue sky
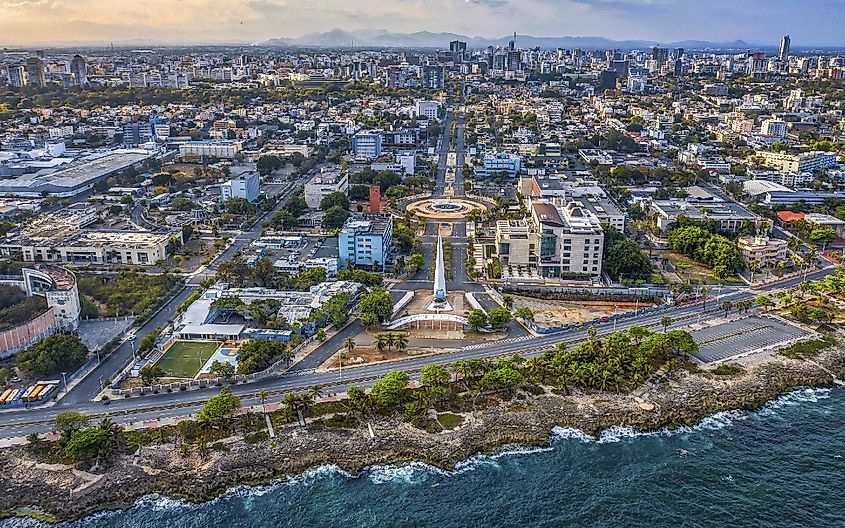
809, 22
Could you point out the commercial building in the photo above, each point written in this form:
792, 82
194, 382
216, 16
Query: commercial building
806, 162
727, 216
328, 181
79, 70
221, 149
516, 243
428, 109
773, 127
246, 186
35, 72
16, 76
62, 237
808, 198
367, 145
501, 162
76, 179
434, 77
365, 241
570, 240
765, 251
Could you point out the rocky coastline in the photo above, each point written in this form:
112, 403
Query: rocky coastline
53, 492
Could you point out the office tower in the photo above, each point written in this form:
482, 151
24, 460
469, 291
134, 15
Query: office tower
678, 68
679, 52
784, 48
607, 80
620, 66
434, 77
79, 70
458, 50
16, 76
661, 55
35, 72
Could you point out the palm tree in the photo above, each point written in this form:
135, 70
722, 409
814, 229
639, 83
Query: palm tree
316, 391
665, 321
349, 344
401, 342
726, 306
391, 340
262, 397
381, 342
705, 291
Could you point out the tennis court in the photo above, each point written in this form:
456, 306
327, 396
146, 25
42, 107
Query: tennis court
184, 359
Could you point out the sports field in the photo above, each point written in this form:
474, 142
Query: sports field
185, 358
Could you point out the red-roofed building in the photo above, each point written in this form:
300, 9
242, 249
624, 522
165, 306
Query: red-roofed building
788, 216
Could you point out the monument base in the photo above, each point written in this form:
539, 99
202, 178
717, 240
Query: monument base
439, 306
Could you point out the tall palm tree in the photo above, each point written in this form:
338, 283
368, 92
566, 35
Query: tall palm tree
262, 397
401, 342
705, 291
665, 321
391, 341
726, 306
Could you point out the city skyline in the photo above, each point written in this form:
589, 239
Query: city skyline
92, 22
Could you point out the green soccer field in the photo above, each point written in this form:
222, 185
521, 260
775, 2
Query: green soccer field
185, 358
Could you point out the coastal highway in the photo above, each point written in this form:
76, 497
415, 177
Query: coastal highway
302, 375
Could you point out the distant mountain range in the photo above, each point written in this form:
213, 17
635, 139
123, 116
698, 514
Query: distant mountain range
338, 38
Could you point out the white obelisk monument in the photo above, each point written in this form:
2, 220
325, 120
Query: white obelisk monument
439, 303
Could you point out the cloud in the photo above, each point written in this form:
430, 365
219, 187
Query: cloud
762, 21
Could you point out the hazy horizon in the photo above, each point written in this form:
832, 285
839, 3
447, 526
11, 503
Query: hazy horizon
218, 22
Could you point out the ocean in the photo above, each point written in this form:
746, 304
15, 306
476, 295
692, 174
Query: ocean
783, 465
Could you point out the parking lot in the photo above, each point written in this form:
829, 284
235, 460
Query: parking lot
738, 338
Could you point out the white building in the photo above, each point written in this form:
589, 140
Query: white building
367, 145
328, 181
210, 149
773, 127
246, 186
428, 109
807, 162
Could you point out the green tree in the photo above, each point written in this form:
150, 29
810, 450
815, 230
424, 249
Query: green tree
223, 369
67, 422
335, 217
524, 313
53, 355
822, 235
477, 319
377, 303
434, 375
150, 374
335, 199
389, 391
665, 321
416, 262
219, 409
499, 317
502, 378
84, 445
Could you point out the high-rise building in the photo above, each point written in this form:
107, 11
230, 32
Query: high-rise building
79, 70
367, 145
246, 186
783, 55
458, 50
365, 241
16, 76
434, 77
661, 55
35, 72
607, 80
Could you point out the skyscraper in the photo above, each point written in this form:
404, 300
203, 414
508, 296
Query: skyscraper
16, 76
79, 70
784, 48
458, 50
35, 72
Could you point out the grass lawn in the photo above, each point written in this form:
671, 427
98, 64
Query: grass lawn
689, 269
185, 358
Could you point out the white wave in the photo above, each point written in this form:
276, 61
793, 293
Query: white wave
797, 397
410, 473
566, 433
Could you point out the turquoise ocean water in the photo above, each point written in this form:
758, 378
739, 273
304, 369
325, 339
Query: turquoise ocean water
783, 465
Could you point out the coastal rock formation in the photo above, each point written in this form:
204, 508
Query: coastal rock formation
681, 398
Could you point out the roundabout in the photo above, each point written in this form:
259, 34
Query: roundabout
444, 208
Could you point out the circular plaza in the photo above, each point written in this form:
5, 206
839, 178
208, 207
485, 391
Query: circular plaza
444, 208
